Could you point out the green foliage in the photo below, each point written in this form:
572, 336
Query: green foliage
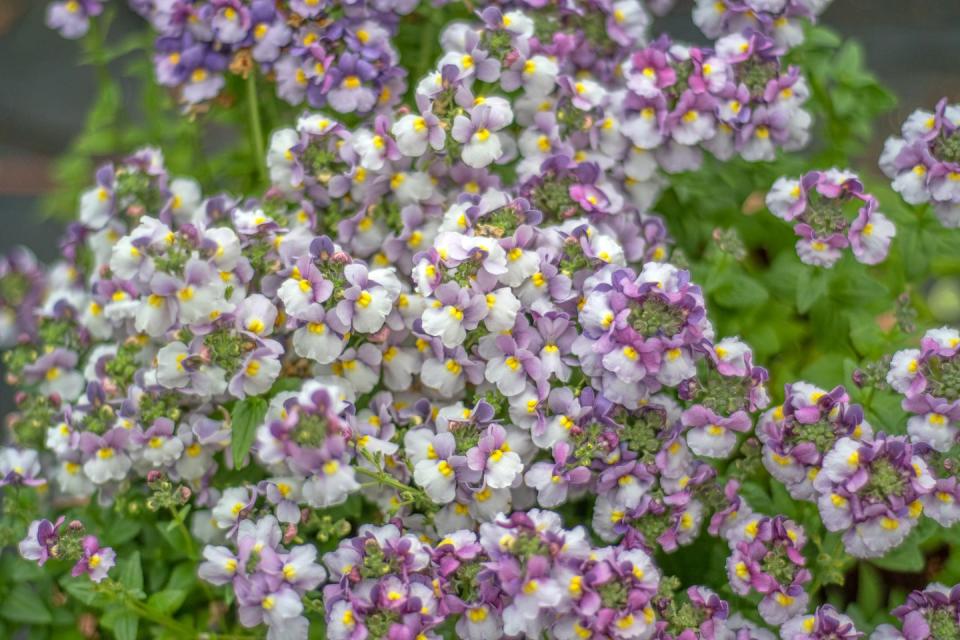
247, 416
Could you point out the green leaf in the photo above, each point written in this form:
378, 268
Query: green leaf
16, 569
782, 502
247, 415
740, 291
869, 589
823, 38
811, 288
130, 572
858, 289
865, 334
757, 497
25, 606
183, 577
123, 623
907, 558
167, 601
121, 531
916, 257
81, 589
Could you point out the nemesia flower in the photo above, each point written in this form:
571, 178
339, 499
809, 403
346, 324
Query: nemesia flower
820, 205
923, 162
96, 560
772, 563
872, 491
824, 622
797, 434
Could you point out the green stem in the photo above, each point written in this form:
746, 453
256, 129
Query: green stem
156, 617
142, 610
256, 127
385, 478
190, 548
94, 43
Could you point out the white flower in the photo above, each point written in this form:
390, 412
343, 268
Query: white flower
330, 487
437, 478
186, 198
539, 75
170, 370
643, 130
399, 365
227, 511
162, 450
107, 464
903, 369
95, 207
784, 193
503, 468
443, 376
912, 184
482, 149
371, 309
446, 323
412, 133
503, 308
318, 342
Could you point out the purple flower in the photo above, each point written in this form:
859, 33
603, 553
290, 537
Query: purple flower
41, 538
96, 561
929, 611
825, 622
772, 564
20, 467
553, 481
872, 492
797, 434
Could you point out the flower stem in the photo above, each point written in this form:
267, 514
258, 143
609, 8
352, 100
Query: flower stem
190, 548
384, 478
256, 128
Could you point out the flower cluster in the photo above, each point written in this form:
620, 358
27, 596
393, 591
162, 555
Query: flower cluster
52, 540
523, 575
931, 387
324, 53
735, 99
924, 161
769, 560
780, 20
797, 434
928, 613
873, 491
269, 580
825, 622
831, 212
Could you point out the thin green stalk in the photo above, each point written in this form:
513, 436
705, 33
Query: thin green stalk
384, 478
256, 127
156, 617
94, 44
191, 549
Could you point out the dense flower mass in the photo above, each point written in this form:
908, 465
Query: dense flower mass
444, 372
